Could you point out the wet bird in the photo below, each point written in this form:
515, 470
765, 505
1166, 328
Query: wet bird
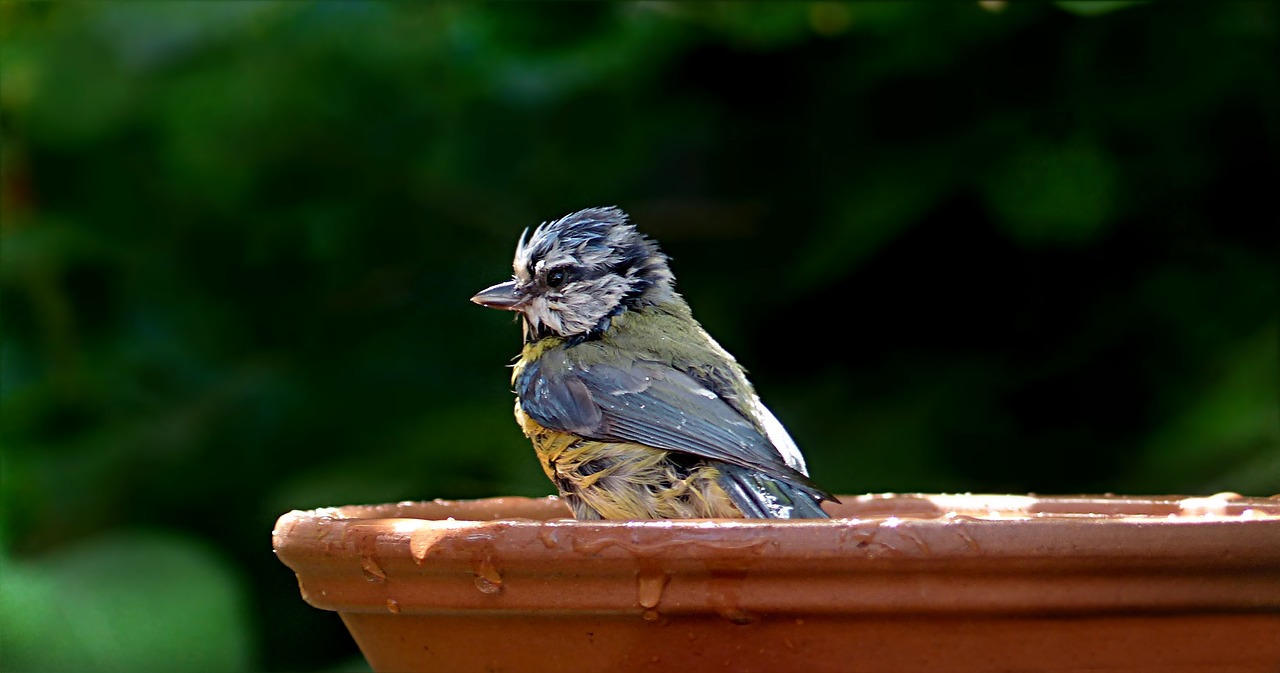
634, 411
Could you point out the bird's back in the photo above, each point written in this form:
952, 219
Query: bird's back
603, 475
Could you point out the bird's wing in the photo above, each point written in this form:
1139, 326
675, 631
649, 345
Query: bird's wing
646, 403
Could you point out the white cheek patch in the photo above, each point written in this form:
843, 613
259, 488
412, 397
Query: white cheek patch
583, 305
579, 306
541, 314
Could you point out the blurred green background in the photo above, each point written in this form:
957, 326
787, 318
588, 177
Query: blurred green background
989, 247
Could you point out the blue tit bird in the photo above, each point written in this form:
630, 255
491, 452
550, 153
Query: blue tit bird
634, 411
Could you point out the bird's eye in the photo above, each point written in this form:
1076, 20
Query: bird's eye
556, 278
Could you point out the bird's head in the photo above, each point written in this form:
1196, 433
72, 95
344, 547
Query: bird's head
575, 273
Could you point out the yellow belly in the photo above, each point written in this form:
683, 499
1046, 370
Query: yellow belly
611, 480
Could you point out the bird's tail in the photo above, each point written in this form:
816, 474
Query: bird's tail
761, 496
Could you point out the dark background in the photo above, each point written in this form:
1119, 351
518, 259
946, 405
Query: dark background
960, 246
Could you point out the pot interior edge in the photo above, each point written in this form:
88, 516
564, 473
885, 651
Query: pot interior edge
906, 506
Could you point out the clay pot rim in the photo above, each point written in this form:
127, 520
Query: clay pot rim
884, 554
904, 579
987, 506
872, 534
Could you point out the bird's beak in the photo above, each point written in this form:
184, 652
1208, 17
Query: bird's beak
503, 296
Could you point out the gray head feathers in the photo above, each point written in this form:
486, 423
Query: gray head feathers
582, 269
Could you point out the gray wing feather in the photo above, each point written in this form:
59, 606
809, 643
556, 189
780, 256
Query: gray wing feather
646, 403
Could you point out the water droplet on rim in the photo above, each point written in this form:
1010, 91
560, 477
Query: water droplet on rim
649, 586
487, 579
371, 571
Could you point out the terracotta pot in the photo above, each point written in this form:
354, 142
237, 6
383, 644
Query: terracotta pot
894, 583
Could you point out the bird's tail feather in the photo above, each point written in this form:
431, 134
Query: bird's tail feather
760, 496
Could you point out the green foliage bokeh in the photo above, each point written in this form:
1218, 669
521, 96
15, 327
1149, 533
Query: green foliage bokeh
969, 246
